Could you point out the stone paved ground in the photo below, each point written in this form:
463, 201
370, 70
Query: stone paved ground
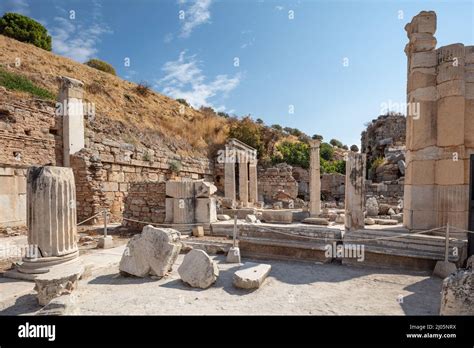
292, 288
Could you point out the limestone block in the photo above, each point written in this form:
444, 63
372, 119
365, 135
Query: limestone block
223, 217
316, 221
451, 88
469, 124
423, 94
424, 22
421, 172
420, 197
233, 256
372, 206
251, 275
183, 210
198, 270
250, 218
421, 219
204, 189
449, 172
62, 305
444, 269
422, 42
421, 128
277, 216
457, 294
449, 71
180, 189
205, 210
450, 121
169, 202
105, 242
419, 79
469, 90
385, 221
198, 231
153, 252
423, 59
369, 221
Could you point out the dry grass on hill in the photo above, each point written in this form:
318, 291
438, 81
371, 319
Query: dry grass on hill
115, 99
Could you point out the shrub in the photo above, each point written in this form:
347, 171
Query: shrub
175, 166
182, 101
247, 132
345, 147
317, 137
354, 148
277, 127
335, 142
20, 83
143, 89
295, 154
101, 65
333, 166
326, 151
25, 29
223, 114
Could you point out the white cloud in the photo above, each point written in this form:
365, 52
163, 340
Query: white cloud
196, 13
168, 38
77, 39
17, 6
184, 79
279, 8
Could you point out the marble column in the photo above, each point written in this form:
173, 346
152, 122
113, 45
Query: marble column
229, 175
243, 183
72, 111
51, 216
315, 179
253, 189
355, 191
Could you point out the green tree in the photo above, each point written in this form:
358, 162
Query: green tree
293, 153
25, 29
326, 151
277, 127
354, 148
317, 137
101, 65
259, 121
247, 132
335, 142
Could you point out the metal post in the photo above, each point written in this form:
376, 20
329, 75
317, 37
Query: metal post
105, 222
234, 233
446, 250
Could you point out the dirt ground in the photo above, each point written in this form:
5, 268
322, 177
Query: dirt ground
292, 288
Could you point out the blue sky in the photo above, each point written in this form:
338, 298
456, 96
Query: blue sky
324, 67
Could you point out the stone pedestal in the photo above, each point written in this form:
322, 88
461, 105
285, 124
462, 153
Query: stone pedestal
355, 191
315, 180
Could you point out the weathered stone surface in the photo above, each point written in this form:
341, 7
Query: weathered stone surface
223, 217
205, 210
316, 221
372, 206
153, 252
198, 270
250, 218
457, 294
106, 242
369, 221
444, 269
180, 189
61, 280
340, 219
204, 189
277, 216
62, 305
386, 222
233, 256
198, 231
251, 275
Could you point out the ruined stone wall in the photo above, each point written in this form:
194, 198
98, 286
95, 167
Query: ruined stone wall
440, 137
301, 176
276, 179
30, 134
145, 202
388, 192
333, 187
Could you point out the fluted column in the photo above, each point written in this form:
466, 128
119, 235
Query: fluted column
51, 216
315, 179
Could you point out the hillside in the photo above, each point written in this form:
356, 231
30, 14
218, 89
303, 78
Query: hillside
153, 118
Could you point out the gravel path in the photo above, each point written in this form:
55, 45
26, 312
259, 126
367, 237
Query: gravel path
292, 288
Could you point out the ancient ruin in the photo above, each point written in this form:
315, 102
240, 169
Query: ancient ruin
226, 222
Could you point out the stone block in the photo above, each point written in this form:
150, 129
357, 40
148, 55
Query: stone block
198, 231
180, 189
457, 294
105, 242
251, 275
419, 79
451, 88
205, 210
198, 270
316, 221
421, 172
233, 256
450, 121
448, 71
421, 126
444, 269
449, 172
423, 60
277, 216
183, 210
204, 189
223, 217
153, 252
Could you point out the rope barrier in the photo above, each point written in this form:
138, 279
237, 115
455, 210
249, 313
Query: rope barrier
93, 216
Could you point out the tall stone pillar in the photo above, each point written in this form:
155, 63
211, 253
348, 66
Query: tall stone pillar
72, 111
51, 216
355, 191
243, 183
253, 189
315, 179
229, 175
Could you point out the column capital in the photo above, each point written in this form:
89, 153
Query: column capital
315, 143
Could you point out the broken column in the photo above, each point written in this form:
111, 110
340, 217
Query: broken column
243, 183
315, 179
355, 191
51, 216
72, 110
